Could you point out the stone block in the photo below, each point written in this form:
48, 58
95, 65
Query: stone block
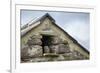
36, 37
34, 42
46, 49
55, 40
24, 52
35, 51
64, 48
54, 48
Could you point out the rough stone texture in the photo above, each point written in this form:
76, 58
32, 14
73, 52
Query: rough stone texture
24, 51
36, 36
34, 42
64, 48
60, 48
60, 58
55, 40
35, 51
77, 55
46, 49
54, 48
65, 42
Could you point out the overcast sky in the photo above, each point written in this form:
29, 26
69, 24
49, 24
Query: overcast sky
75, 23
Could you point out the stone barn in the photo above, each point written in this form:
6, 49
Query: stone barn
43, 40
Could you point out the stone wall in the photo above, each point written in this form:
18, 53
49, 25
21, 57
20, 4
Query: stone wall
58, 46
35, 49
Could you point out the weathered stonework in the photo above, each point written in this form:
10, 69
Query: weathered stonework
55, 40
48, 42
24, 52
46, 49
35, 51
34, 42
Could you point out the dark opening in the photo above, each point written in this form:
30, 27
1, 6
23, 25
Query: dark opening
45, 41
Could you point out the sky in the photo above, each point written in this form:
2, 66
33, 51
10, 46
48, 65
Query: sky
75, 23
